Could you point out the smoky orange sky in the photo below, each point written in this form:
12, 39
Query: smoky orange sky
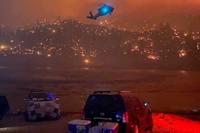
127, 12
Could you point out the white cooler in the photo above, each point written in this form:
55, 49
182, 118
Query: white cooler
109, 127
79, 126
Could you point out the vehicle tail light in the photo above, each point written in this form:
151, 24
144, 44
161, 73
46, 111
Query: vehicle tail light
125, 117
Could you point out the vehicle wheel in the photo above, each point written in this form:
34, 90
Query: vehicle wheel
57, 117
26, 116
33, 116
56, 111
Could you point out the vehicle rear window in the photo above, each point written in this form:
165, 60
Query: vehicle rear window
40, 95
109, 103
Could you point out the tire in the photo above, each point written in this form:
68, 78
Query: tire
26, 116
57, 114
57, 117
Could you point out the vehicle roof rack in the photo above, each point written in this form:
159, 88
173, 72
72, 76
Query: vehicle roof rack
106, 92
37, 90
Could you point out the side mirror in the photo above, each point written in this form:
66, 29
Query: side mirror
146, 104
57, 99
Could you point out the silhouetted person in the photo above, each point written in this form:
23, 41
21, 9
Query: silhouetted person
4, 106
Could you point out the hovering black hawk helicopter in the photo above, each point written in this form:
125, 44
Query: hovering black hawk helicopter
102, 11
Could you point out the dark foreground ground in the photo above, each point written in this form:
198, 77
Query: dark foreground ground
167, 91
163, 123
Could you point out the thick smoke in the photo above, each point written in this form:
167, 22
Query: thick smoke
19, 12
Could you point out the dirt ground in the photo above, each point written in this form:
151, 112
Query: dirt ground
167, 91
163, 123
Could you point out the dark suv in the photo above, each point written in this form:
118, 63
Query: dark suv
132, 114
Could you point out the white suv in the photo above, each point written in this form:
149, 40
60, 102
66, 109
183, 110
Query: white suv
40, 105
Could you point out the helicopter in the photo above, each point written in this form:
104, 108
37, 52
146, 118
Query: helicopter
102, 11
